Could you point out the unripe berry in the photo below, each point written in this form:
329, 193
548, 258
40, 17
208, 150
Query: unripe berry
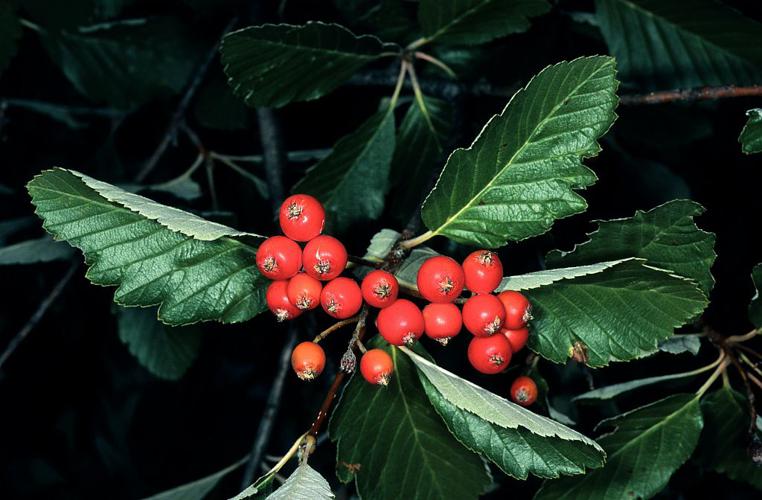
380, 289
483, 271
489, 355
518, 310
442, 321
483, 315
278, 303
517, 338
304, 291
324, 258
279, 258
376, 366
524, 391
341, 298
301, 217
308, 360
401, 323
440, 279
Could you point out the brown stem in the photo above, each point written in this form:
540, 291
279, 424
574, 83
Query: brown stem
334, 327
689, 95
749, 393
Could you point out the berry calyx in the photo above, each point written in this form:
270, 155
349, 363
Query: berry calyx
376, 366
341, 298
442, 321
524, 391
483, 315
279, 258
324, 258
440, 279
277, 301
301, 217
308, 360
304, 291
380, 289
401, 323
489, 355
518, 309
483, 271
517, 338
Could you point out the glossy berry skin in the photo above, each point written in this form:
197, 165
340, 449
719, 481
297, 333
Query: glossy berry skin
518, 310
380, 289
489, 355
440, 279
517, 338
524, 391
304, 291
308, 360
442, 321
278, 303
483, 315
483, 271
324, 258
401, 323
376, 366
279, 258
301, 217
341, 298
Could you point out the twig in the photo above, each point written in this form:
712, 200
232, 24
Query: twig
749, 392
334, 327
689, 95
273, 153
737, 339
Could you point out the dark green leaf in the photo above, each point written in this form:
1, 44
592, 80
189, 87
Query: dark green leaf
44, 249
198, 489
217, 108
755, 307
11, 226
10, 32
614, 390
388, 19
751, 135
305, 483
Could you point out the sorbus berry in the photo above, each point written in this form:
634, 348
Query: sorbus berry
279, 258
518, 310
301, 217
341, 298
483, 271
304, 291
278, 303
401, 323
442, 321
380, 289
440, 279
517, 338
524, 391
376, 366
483, 315
324, 258
489, 355
308, 360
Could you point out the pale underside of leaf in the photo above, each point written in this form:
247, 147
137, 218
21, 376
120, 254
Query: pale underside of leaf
751, 135
755, 307
546, 277
305, 483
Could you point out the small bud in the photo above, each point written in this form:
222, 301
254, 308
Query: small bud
348, 361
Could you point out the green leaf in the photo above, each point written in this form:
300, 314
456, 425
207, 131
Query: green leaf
194, 269
352, 180
304, 483
515, 439
44, 249
381, 244
407, 273
755, 307
469, 22
666, 236
678, 344
751, 135
274, 64
217, 108
10, 32
395, 445
614, 390
681, 43
198, 489
10, 227
520, 173
646, 447
259, 490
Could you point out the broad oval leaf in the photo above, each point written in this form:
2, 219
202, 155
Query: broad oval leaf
198, 489
755, 307
305, 483
520, 173
44, 249
751, 135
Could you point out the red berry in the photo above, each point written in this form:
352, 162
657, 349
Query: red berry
524, 391
304, 291
341, 298
279, 258
440, 279
324, 258
380, 289
278, 303
489, 355
308, 360
301, 217
442, 321
483, 271
518, 310
483, 315
517, 338
401, 323
376, 366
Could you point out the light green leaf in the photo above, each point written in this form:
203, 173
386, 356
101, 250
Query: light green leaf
646, 447
274, 64
681, 43
10, 32
520, 173
666, 236
305, 483
755, 307
515, 439
381, 244
194, 269
259, 490
678, 344
469, 22
198, 489
546, 277
351, 182
751, 135
44, 249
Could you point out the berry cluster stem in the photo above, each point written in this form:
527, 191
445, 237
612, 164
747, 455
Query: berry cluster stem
334, 327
